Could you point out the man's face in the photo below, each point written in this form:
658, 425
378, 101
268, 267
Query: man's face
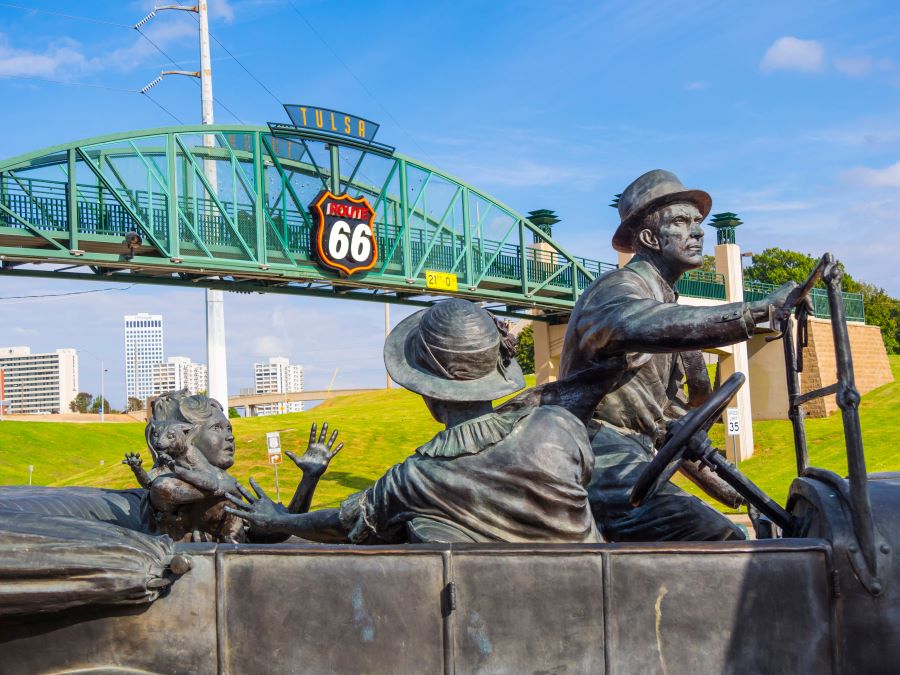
681, 236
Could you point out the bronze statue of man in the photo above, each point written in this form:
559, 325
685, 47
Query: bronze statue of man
632, 311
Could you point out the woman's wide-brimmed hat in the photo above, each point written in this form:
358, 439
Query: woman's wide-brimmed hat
652, 190
453, 351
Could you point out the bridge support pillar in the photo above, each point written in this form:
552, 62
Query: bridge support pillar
728, 264
215, 346
546, 366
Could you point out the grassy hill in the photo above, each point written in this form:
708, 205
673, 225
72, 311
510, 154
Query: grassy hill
380, 429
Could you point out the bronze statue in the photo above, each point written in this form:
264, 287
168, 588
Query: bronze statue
192, 444
632, 311
516, 475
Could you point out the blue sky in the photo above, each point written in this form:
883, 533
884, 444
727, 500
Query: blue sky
785, 112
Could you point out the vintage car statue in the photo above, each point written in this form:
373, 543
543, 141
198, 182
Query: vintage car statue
817, 592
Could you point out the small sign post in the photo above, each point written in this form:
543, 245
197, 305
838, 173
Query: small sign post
30, 472
733, 429
273, 448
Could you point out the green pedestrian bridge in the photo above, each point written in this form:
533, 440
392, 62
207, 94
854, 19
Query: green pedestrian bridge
227, 207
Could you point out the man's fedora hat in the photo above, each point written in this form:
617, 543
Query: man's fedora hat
652, 190
453, 351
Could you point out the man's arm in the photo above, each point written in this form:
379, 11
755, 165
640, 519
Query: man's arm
621, 318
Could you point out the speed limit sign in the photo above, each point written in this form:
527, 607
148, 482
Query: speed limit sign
343, 237
733, 422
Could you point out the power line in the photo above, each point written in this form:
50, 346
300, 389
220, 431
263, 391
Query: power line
180, 67
353, 75
69, 83
118, 25
65, 16
161, 106
238, 61
57, 295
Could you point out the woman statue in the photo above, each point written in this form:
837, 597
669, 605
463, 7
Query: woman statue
192, 445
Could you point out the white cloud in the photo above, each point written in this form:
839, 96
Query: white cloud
859, 66
697, 85
790, 53
221, 9
876, 178
63, 57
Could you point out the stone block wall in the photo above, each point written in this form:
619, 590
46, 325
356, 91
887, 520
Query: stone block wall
870, 363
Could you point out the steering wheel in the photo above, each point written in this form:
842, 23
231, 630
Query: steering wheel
669, 457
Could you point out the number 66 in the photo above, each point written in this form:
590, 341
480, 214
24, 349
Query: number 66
340, 243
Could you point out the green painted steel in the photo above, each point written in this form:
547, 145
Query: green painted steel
854, 306
227, 206
700, 284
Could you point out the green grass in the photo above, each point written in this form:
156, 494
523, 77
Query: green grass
382, 428
773, 465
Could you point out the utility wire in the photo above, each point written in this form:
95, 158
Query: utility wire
161, 106
66, 16
70, 84
119, 25
180, 67
238, 61
58, 295
353, 75
98, 86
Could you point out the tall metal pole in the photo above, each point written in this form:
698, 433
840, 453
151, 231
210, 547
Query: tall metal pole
102, 392
387, 329
215, 300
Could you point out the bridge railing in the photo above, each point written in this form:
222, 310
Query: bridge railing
232, 204
854, 305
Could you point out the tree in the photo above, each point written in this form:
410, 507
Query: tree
525, 349
776, 266
81, 402
134, 404
709, 263
95, 405
233, 413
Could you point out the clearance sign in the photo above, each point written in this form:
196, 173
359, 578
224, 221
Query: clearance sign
329, 121
343, 236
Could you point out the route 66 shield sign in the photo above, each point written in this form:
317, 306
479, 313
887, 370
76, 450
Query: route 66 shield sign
343, 236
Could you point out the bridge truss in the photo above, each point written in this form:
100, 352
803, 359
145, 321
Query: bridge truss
227, 207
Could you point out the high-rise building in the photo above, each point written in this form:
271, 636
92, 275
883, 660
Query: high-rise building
179, 372
38, 383
143, 350
278, 376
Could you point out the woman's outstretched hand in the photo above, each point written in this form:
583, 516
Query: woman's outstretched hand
318, 453
259, 510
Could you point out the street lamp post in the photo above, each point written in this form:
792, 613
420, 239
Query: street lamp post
102, 384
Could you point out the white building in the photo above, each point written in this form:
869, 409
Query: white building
143, 350
179, 372
278, 376
38, 383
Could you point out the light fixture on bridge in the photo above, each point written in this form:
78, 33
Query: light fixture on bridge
176, 260
76, 252
132, 241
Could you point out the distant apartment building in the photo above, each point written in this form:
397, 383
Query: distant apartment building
143, 350
278, 376
179, 372
38, 383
